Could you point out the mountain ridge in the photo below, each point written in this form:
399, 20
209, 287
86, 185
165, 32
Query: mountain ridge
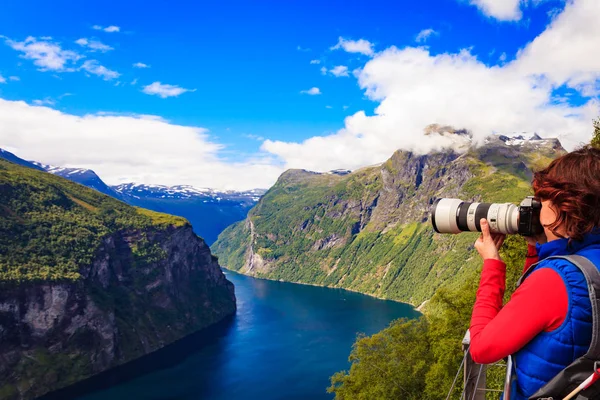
369, 231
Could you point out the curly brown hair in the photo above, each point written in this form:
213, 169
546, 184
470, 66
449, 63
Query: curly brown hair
572, 183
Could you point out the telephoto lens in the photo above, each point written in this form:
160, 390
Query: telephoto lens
455, 216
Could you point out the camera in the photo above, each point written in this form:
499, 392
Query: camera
455, 216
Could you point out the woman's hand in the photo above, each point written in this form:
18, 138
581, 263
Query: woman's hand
488, 243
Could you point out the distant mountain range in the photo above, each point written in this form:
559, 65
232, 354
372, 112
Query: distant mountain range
83, 176
14, 159
209, 211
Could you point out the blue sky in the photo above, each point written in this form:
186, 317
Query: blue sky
245, 64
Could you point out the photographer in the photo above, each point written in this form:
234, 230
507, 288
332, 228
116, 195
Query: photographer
547, 323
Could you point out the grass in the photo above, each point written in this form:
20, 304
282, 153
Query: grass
162, 219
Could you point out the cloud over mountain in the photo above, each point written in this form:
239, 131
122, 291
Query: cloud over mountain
415, 88
128, 148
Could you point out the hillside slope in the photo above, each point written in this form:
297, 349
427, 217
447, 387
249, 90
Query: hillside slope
209, 211
88, 282
369, 231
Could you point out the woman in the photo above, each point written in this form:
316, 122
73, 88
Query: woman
547, 323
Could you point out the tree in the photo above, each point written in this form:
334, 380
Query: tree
596, 137
418, 359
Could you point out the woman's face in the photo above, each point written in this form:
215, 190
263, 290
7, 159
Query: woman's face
548, 215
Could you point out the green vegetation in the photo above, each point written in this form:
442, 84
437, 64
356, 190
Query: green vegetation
162, 219
50, 230
418, 359
50, 227
323, 229
596, 136
351, 232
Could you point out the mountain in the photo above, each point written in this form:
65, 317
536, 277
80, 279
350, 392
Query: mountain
88, 282
85, 177
370, 230
208, 210
14, 159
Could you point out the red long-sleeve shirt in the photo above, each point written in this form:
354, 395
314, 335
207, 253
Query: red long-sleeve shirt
540, 304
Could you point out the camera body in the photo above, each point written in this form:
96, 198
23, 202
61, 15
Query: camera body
455, 216
529, 217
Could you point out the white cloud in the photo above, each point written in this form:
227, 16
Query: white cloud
567, 52
340, 70
109, 29
93, 45
312, 91
140, 65
14, 78
47, 101
328, 107
133, 82
120, 148
415, 88
2, 79
165, 90
299, 48
503, 10
315, 61
47, 55
323, 70
94, 67
425, 34
361, 46
253, 136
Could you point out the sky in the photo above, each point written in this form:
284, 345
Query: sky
229, 94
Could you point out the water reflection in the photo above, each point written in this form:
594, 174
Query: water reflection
285, 342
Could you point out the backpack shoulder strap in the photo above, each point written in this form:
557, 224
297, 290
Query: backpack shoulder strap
580, 369
592, 277
533, 266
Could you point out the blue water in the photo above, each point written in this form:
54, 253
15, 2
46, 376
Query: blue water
285, 341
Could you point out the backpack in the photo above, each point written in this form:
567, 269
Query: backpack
570, 378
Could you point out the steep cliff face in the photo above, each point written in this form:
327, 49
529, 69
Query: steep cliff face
56, 333
370, 231
88, 282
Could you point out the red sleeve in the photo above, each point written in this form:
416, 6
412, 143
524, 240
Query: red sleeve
539, 304
531, 257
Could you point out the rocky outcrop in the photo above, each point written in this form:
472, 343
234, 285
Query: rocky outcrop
145, 289
370, 231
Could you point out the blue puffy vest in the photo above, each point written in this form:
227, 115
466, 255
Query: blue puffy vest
550, 352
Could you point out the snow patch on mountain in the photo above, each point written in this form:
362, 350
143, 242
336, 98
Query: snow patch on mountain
528, 139
186, 192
